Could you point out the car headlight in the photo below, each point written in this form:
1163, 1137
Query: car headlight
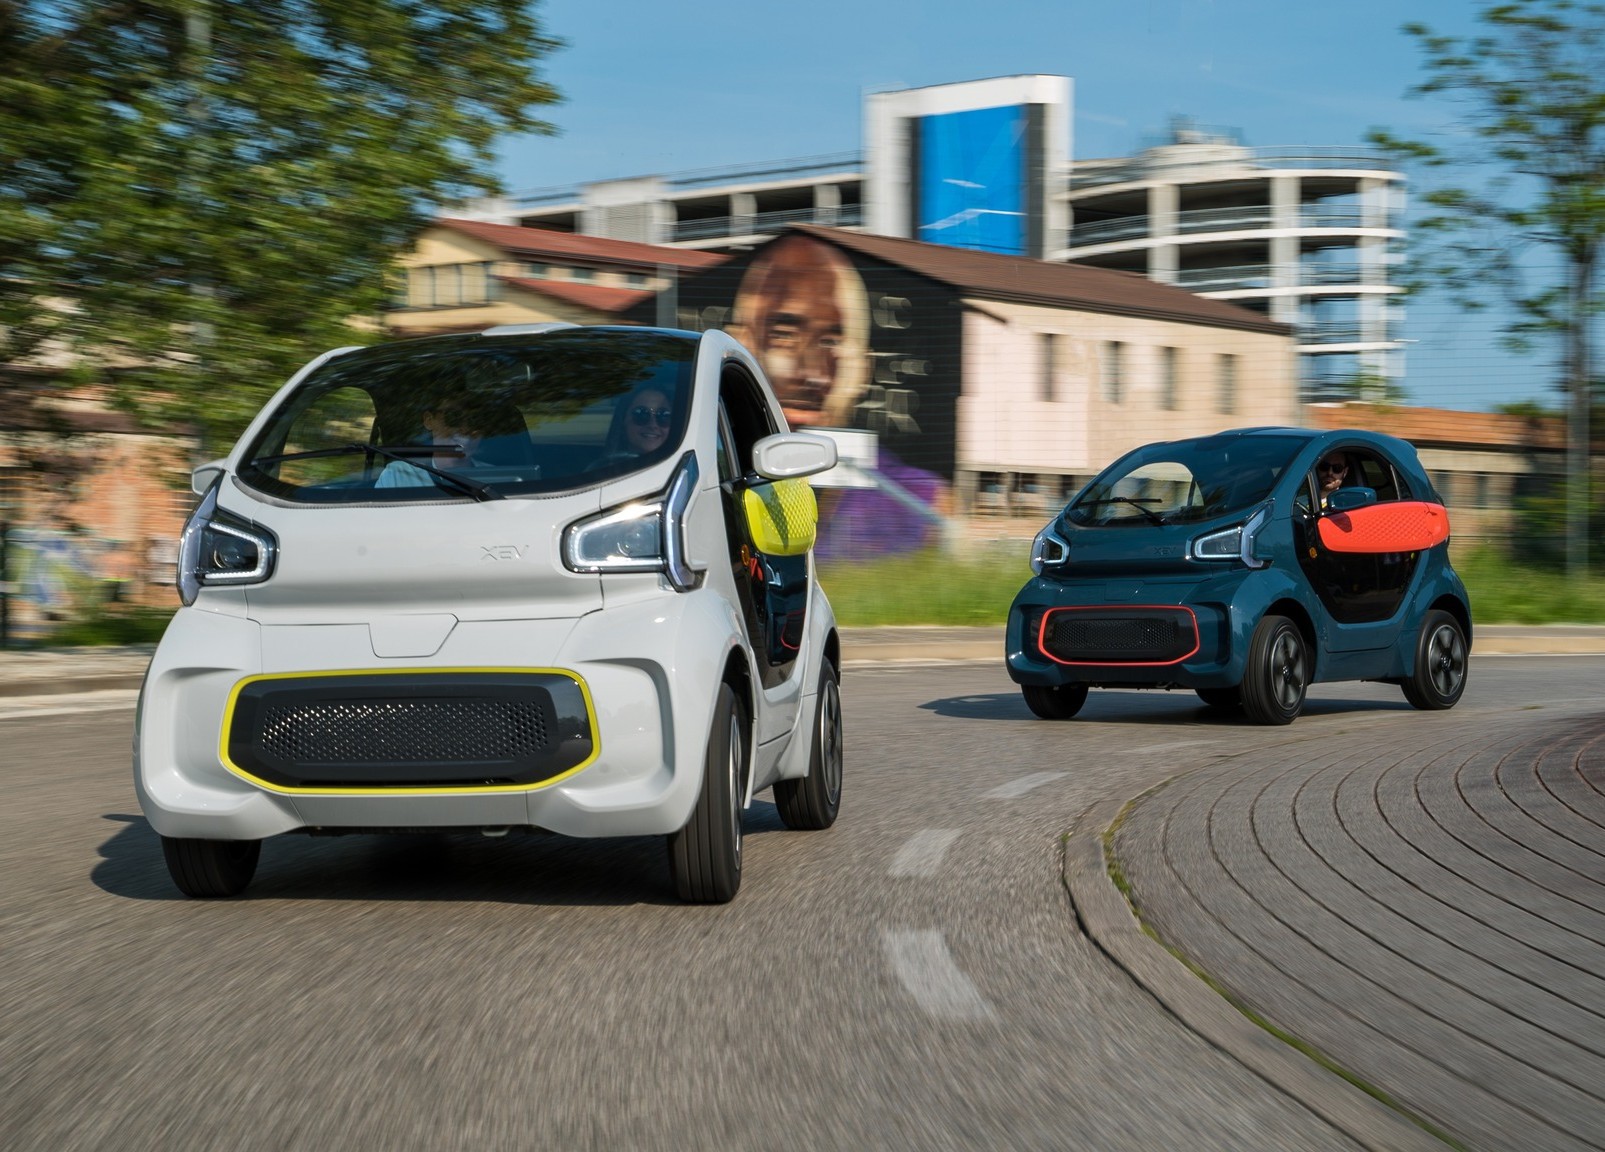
1234, 543
642, 536
627, 539
218, 548
1048, 550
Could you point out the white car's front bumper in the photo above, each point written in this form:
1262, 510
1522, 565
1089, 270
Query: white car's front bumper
649, 671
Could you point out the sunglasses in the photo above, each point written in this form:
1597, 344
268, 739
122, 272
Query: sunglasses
642, 416
1326, 467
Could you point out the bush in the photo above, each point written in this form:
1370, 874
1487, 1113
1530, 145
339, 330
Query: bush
120, 626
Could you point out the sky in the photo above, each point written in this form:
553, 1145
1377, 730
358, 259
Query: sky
654, 88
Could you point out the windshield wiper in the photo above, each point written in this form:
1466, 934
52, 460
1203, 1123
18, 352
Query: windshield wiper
475, 488
1136, 503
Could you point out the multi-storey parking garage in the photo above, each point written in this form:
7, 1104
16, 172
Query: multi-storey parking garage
1307, 236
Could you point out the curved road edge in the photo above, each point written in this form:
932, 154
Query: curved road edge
1115, 927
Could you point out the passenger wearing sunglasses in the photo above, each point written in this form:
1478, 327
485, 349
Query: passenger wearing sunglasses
1330, 474
641, 424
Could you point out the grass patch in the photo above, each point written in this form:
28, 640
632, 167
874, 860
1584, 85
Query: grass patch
124, 626
1505, 591
973, 586
976, 586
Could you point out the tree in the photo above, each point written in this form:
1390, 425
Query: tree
195, 195
1531, 149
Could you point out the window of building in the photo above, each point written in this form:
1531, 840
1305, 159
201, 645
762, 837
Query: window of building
421, 287
448, 285
1114, 371
1049, 366
1226, 383
1168, 358
582, 274
637, 279
537, 271
473, 283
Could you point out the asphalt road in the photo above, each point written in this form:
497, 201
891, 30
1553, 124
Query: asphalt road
916, 977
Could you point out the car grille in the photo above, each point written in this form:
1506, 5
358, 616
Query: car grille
1118, 635
410, 730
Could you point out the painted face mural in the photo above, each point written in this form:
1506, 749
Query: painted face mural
803, 310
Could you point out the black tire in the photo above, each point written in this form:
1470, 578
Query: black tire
1221, 699
705, 855
210, 868
1058, 703
1441, 664
1278, 672
811, 803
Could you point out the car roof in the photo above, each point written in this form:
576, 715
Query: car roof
524, 332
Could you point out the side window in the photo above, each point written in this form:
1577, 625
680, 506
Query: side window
749, 417
1374, 472
728, 472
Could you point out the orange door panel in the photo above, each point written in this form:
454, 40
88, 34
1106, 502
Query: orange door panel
1398, 526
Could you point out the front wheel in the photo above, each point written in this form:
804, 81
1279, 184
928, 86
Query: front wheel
812, 802
705, 855
1278, 672
211, 868
1440, 673
1056, 703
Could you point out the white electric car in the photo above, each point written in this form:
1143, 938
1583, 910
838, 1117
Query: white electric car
538, 577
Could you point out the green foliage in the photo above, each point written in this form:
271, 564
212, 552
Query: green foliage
1508, 591
194, 195
976, 588
123, 626
930, 587
1531, 157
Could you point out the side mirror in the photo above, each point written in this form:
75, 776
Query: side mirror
1348, 499
782, 517
788, 455
202, 479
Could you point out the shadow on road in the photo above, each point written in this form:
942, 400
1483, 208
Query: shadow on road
523, 867
1133, 706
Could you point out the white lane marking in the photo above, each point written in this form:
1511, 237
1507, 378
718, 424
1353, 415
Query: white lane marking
922, 854
1014, 789
926, 969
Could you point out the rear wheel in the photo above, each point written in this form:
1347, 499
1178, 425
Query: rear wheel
211, 868
1278, 672
705, 855
1221, 698
812, 802
1440, 673
1056, 703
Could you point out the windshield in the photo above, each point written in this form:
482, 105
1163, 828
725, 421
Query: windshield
473, 417
1185, 481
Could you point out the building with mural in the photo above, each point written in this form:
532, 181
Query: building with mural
1309, 237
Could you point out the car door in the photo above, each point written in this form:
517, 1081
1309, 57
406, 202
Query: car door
774, 588
1361, 586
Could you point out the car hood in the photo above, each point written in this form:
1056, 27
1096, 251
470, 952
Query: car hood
496, 559
1136, 550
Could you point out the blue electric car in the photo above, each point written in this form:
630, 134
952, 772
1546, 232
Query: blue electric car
1246, 566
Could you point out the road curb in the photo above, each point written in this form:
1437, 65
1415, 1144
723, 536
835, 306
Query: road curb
1110, 923
69, 685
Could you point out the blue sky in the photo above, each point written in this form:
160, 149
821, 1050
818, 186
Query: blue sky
655, 87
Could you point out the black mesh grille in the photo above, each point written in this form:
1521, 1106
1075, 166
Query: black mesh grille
1119, 635
420, 730
404, 731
